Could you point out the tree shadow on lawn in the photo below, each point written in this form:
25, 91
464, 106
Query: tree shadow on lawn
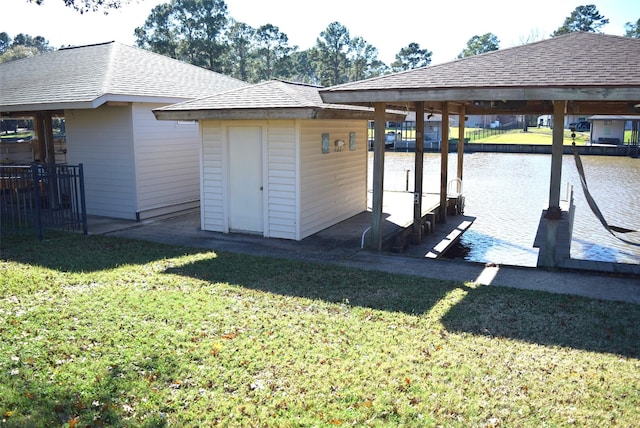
536, 317
531, 316
548, 319
30, 402
71, 252
319, 281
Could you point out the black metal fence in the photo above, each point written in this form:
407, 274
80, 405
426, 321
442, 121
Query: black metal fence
37, 197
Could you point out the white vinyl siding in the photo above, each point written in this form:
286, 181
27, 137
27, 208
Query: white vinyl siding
305, 191
167, 159
608, 128
281, 185
333, 185
102, 140
213, 180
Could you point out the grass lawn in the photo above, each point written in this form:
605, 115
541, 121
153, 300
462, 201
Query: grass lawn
534, 135
100, 331
17, 134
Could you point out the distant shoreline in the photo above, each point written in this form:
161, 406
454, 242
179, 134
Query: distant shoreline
594, 149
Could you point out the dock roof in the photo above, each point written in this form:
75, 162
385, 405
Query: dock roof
582, 68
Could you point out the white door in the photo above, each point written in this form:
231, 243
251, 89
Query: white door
245, 179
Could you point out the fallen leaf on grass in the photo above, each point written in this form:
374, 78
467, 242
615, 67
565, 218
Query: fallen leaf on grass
215, 350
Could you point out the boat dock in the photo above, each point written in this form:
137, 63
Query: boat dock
437, 237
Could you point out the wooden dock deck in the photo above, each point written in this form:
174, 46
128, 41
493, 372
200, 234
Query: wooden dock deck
397, 226
444, 243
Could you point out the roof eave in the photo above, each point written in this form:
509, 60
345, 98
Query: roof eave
268, 113
47, 107
404, 95
87, 104
234, 114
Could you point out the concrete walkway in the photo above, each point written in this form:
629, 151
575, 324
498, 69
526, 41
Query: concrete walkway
185, 230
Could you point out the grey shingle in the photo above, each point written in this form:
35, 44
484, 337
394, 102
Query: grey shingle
266, 96
572, 60
85, 74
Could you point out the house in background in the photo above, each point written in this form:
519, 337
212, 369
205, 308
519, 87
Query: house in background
135, 167
276, 160
609, 129
475, 121
432, 125
432, 132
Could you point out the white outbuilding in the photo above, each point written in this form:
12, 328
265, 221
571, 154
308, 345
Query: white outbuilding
134, 166
276, 160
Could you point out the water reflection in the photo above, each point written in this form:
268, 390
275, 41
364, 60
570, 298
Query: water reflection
506, 192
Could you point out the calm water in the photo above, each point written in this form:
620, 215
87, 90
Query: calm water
507, 192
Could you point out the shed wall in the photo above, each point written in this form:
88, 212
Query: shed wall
167, 163
279, 185
213, 178
102, 140
607, 129
282, 179
333, 186
305, 190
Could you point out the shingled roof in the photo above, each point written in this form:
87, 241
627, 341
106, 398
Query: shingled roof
576, 66
89, 76
273, 99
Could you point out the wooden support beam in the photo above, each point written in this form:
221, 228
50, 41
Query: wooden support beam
48, 133
461, 116
444, 162
419, 161
378, 175
40, 149
43, 128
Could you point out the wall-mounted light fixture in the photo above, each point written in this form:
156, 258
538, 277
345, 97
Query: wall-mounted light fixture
352, 141
325, 142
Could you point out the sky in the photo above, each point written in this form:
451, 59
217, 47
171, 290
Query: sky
442, 27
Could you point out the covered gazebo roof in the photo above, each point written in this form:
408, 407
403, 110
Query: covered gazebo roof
594, 73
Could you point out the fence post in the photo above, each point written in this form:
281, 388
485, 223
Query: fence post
35, 173
83, 205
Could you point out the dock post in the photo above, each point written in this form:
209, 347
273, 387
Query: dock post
419, 158
444, 162
461, 120
378, 175
554, 213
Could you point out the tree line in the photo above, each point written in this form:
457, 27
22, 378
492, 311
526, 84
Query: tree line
201, 32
